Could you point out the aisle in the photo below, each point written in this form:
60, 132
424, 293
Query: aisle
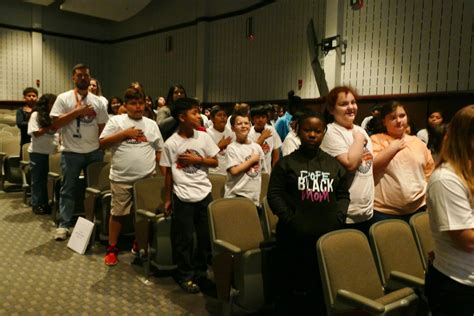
41, 276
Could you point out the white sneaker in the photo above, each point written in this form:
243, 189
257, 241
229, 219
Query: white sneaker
61, 233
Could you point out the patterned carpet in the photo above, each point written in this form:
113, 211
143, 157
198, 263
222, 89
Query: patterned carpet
40, 276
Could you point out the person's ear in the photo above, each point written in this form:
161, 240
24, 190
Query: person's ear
181, 117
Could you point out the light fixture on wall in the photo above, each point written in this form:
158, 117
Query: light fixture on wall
250, 32
356, 4
169, 44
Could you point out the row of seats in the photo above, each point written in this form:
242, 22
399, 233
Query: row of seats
385, 274
8, 117
10, 160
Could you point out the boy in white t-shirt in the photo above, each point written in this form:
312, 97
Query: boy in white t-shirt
221, 135
245, 162
187, 155
265, 135
136, 145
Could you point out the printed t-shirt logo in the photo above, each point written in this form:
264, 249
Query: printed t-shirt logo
189, 168
367, 161
254, 169
87, 118
265, 147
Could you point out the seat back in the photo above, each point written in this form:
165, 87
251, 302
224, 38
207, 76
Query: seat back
420, 225
149, 194
346, 262
395, 249
11, 162
5, 134
25, 154
270, 220
218, 184
235, 220
15, 131
55, 163
264, 187
98, 175
11, 146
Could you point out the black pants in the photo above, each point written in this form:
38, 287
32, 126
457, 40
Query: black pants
187, 219
446, 296
300, 287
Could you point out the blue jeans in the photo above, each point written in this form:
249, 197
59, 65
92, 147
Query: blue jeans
71, 165
39, 167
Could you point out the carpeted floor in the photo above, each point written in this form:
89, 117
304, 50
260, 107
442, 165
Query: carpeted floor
41, 276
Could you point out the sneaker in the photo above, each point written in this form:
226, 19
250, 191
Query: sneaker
61, 233
111, 257
135, 249
189, 286
38, 210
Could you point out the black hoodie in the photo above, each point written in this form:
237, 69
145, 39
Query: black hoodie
308, 192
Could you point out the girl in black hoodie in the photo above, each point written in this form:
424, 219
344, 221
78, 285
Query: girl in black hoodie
309, 194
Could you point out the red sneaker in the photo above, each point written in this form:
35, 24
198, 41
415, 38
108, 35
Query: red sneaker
111, 256
135, 249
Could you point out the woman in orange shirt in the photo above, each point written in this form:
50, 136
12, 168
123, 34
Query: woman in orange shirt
402, 166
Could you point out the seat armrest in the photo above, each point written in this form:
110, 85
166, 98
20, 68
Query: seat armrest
24, 163
53, 174
149, 215
93, 191
356, 300
398, 278
145, 213
226, 246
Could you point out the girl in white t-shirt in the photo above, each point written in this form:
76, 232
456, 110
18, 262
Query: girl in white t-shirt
351, 146
450, 280
43, 142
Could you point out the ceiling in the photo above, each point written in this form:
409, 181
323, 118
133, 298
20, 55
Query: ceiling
115, 10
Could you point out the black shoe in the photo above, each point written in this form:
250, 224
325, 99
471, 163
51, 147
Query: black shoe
207, 286
47, 208
39, 210
189, 286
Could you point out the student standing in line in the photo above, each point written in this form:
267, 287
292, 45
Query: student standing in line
96, 88
187, 155
450, 279
308, 192
245, 162
136, 145
221, 135
265, 135
30, 95
44, 141
402, 167
352, 147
